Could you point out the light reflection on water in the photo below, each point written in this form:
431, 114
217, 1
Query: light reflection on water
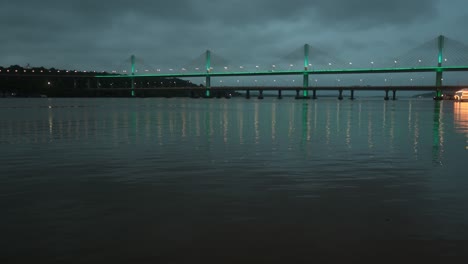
184, 173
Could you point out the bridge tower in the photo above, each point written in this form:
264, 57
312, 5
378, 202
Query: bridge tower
439, 73
305, 82
132, 60
208, 70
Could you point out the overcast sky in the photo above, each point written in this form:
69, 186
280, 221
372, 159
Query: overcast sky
102, 34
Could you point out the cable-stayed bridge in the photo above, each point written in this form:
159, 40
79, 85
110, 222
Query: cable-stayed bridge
437, 65
306, 65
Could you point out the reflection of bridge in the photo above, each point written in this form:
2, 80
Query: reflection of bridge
414, 64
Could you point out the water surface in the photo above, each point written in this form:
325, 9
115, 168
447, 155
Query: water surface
188, 180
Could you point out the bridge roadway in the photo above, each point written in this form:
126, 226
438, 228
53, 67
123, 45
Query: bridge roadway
451, 88
293, 72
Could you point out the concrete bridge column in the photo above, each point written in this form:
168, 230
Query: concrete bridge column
297, 94
340, 96
280, 96
352, 94
386, 98
314, 94
394, 95
260, 94
247, 94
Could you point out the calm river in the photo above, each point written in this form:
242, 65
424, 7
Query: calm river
147, 180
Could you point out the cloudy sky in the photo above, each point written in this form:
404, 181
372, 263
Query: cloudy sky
102, 34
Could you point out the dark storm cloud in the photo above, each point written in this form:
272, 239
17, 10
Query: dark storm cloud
83, 32
376, 12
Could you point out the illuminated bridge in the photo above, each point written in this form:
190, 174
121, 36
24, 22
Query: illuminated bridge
304, 72
444, 54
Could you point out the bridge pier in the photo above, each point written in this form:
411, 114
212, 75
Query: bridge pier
280, 96
247, 94
352, 94
386, 98
208, 93
260, 94
394, 95
340, 96
303, 96
314, 94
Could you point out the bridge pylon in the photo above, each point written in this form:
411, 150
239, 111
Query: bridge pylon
132, 61
208, 71
439, 71
305, 82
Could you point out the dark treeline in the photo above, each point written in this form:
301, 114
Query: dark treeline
40, 82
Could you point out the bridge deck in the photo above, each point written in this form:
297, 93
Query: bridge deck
291, 88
